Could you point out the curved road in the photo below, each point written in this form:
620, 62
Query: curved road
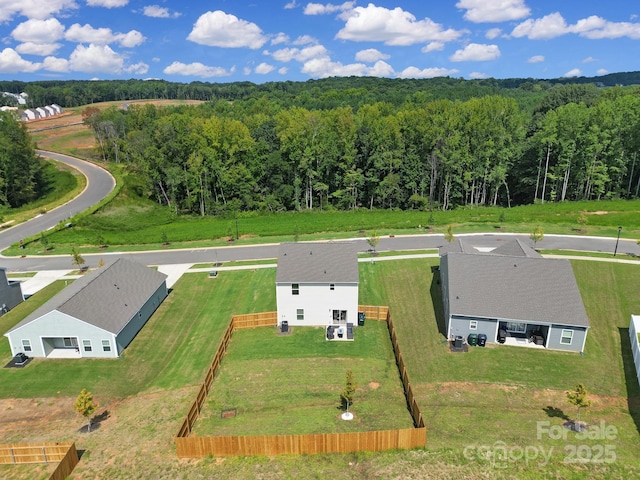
100, 183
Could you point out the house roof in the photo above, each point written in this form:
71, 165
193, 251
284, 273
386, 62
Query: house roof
519, 288
515, 247
107, 298
317, 263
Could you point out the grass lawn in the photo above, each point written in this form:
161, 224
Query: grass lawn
171, 351
291, 384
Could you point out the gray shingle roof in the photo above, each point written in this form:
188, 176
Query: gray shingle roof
518, 288
317, 262
107, 298
515, 248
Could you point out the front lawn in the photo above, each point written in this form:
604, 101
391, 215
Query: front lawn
291, 384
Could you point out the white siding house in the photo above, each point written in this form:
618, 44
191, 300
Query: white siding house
96, 316
317, 284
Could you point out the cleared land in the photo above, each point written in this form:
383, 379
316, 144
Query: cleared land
483, 398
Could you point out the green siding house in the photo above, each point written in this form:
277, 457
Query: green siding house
96, 316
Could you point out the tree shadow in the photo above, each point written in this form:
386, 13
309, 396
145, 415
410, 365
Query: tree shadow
630, 376
555, 412
96, 421
436, 298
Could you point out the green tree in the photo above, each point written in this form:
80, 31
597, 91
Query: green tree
578, 398
448, 235
77, 259
536, 235
85, 406
373, 240
349, 390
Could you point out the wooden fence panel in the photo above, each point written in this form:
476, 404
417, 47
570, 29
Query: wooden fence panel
198, 447
66, 465
65, 454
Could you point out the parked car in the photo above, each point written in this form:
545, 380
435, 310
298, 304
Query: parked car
20, 358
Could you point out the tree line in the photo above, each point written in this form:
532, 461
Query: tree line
577, 142
21, 174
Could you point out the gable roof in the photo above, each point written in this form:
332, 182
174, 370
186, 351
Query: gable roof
107, 298
519, 288
317, 263
515, 248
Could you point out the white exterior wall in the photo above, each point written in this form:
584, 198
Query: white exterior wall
56, 324
318, 302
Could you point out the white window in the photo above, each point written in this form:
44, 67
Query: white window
516, 327
473, 325
300, 313
26, 345
69, 342
566, 337
106, 346
86, 345
295, 289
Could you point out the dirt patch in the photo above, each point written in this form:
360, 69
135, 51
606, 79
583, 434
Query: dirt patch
373, 385
599, 212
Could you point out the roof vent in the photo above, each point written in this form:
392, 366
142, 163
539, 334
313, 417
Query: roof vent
515, 265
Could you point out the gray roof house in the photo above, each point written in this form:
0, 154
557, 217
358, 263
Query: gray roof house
10, 292
512, 295
317, 284
96, 316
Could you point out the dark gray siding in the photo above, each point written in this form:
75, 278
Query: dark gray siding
461, 326
555, 332
128, 333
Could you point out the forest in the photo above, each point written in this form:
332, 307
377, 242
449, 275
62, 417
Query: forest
579, 142
21, 173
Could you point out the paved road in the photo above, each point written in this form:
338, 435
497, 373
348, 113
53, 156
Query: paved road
99, 184
203, 255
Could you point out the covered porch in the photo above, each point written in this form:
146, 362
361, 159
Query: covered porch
522, 334
61, 347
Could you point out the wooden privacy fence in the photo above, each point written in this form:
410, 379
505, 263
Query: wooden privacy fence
237, 321
197, 447
65, 454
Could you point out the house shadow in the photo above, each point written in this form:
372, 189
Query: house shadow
630, 377
436, 299
555, 412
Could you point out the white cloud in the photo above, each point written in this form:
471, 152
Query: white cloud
371, 55
246, 71
576, 72
283, 70
536, 59
95, 59
290, 5
37, 9
475, 52
107, 3
602, 71
478, 75
589, 60
280, 38
55, 64
414, 72
493, 33
305, 40
156, 11
432, 47
593, 27
319, 9
42, 49
323, 67
196, 69
549, 26
393, 27
218, 29
300, 55
139, 68
38, 31
493, 11
264, 68
102, 36
11, 62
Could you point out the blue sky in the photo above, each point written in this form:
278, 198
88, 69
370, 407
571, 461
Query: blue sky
276, 40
